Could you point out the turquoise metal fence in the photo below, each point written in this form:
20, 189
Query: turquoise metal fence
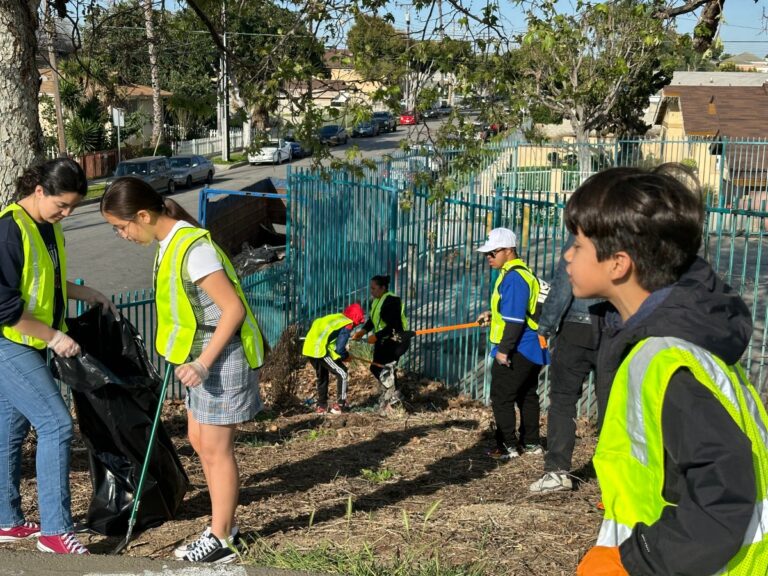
343, 228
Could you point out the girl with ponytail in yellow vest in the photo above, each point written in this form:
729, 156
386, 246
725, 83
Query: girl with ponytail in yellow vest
682, 457
387, 321
33, 300
207, 329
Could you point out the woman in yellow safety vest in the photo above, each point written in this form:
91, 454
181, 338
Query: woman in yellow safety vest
387, 321
205, 328
33, 302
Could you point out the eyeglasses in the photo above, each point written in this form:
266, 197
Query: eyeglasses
119, 229
494, 253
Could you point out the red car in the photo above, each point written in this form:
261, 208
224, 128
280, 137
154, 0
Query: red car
408, 118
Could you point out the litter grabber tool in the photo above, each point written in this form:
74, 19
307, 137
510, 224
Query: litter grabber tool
137, 496
387, 375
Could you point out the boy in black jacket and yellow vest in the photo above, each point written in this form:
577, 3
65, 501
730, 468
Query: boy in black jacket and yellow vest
682, 458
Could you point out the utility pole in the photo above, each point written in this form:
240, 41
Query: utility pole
408, 104
224, 90
51, 25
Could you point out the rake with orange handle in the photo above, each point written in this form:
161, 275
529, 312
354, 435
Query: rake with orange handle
408, 334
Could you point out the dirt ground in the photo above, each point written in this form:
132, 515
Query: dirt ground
412, 483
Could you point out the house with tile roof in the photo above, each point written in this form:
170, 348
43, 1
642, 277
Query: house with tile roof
726, 123
747, 62
133, 98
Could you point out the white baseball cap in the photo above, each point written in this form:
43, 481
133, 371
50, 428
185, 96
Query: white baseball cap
499, 238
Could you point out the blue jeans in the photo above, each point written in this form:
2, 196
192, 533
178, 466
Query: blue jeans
29, 395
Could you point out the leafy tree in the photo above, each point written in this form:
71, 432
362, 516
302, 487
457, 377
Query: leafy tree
377, 49
594, 65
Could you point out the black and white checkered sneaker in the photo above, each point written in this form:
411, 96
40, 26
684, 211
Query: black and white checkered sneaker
182, 550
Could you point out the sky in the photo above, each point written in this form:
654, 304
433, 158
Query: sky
742, 30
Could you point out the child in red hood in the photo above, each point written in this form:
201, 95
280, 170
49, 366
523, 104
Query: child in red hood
326, 347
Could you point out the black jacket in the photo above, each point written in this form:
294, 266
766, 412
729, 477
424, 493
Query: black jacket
390, 314
560, 305
709, 473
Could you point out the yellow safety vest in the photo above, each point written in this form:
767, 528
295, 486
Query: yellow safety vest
38, 276
629, 458
376, 305
497, 322
176, 323
316, 344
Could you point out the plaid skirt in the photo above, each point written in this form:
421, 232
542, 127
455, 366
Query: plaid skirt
230, 394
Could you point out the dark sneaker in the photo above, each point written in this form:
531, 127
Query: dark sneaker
20, 532
551, 482
503, 454
321, 410
182, 550
210, 549
533, 449
61, 544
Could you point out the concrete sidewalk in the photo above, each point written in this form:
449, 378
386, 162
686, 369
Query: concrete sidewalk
21, 563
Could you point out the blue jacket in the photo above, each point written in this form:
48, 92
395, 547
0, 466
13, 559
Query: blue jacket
560, 305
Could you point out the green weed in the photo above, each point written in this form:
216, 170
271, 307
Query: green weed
332, 558
317, 433
253, 440
377, 476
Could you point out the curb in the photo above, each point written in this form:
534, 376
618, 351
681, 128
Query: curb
21, 563
225, 167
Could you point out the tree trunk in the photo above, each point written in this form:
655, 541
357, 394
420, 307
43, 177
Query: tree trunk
21, 138
51, 31
583, 152
157, 105
707, 26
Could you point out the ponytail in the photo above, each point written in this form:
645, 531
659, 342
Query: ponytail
174, 210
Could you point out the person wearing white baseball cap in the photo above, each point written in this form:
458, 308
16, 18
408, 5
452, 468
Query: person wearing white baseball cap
517, 351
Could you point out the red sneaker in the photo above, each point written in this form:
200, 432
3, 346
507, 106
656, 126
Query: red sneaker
338, 408
61, 544
321, 410
20, 532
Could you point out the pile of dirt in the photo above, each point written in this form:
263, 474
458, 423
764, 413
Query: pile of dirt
415, 481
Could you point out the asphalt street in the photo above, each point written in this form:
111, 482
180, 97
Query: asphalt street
113, 265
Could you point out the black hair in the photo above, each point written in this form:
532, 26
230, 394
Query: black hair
382, 281
128, 195
54, 177
652, 215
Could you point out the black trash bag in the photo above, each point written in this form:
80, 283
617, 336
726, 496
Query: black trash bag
115, 390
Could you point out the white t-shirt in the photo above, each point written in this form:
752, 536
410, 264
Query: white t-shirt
202, 260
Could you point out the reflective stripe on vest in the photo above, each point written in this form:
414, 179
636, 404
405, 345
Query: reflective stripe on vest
176, 323
377, 304
629, 458
316, 344
497, 322
38, 281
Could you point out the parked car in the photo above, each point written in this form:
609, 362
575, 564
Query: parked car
274, 151
188, 169
368, 128
421, 168
154, 170
385, 120
445, 110
332, 134
430, 113
409, 118
297, 149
